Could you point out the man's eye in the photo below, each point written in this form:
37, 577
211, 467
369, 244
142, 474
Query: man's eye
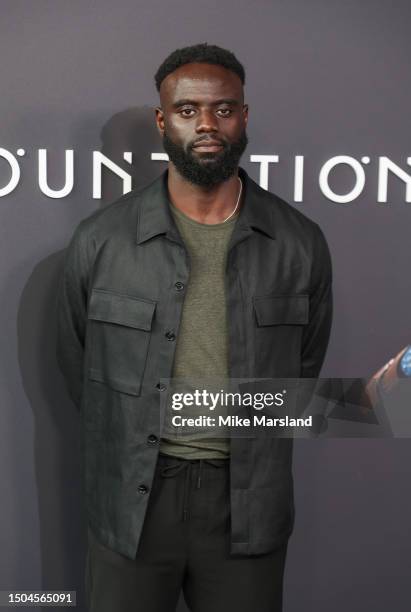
186, 112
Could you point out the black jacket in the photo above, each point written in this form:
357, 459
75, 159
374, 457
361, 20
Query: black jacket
122, 292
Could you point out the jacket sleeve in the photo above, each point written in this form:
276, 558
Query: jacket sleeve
317, 333
71, 305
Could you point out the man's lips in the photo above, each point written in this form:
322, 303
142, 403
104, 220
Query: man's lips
208, 145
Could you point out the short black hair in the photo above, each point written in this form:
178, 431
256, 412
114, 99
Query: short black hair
203, 53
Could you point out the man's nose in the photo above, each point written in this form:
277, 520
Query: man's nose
207, 122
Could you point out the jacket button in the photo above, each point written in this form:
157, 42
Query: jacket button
178, 286
152, 439
142, 489
161, 386
170, 336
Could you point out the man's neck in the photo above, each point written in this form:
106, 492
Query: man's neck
208, 205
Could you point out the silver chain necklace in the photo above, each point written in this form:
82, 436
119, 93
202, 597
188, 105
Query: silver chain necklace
238, 199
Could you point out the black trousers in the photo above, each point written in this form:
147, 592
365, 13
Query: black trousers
185, 545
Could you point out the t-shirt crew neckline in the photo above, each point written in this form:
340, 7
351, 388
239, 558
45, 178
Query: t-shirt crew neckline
210, 226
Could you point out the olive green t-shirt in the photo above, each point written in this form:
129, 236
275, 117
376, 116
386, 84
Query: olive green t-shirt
202, 345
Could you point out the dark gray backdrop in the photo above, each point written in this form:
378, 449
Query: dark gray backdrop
324, 78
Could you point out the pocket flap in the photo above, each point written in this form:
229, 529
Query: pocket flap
121, 309
281, 309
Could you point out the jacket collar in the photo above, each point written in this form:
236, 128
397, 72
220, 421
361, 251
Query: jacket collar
155, 217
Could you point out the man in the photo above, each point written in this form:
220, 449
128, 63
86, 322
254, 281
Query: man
200, 273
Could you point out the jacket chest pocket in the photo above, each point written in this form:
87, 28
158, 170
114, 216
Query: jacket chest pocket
120, 330
279, 325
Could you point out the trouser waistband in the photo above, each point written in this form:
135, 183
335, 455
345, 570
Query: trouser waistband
170, 467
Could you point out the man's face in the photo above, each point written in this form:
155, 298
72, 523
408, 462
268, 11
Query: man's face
202, 120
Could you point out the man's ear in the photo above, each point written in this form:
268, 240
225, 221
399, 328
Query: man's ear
245, 113
159, 119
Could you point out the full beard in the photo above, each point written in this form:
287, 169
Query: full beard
211, 168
